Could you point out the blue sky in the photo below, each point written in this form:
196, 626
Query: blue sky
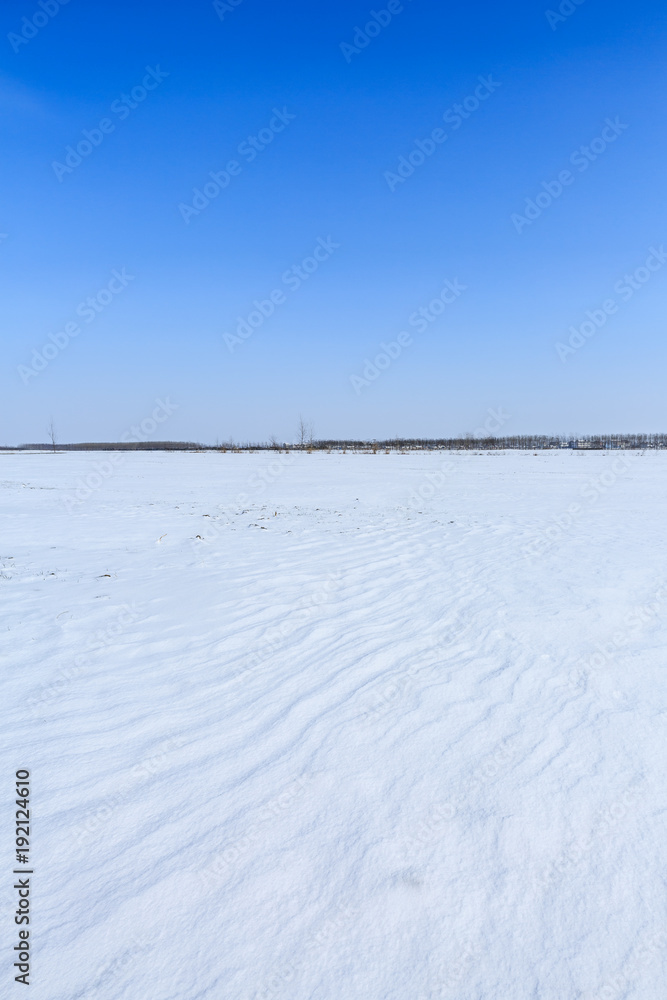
305, 122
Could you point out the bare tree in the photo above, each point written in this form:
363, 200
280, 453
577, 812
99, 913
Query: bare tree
301, 432
53, 436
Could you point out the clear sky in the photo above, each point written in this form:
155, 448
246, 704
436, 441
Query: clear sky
167, 165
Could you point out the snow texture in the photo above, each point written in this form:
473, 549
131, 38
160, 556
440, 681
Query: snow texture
338, 726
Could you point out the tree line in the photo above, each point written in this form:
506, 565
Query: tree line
304, 442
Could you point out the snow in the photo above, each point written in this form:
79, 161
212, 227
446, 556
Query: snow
393, 727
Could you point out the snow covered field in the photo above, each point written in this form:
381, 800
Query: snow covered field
384, 732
